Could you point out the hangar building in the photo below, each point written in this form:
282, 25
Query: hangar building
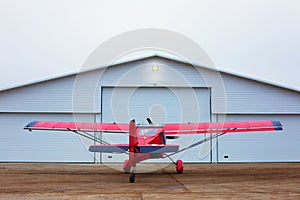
165, 89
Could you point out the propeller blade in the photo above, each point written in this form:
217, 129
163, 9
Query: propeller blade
149, 120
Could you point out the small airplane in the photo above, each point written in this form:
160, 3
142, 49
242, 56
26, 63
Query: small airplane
149, 141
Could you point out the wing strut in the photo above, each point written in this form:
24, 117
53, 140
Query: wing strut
196, 144
89, 136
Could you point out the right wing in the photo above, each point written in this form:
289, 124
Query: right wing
225, 127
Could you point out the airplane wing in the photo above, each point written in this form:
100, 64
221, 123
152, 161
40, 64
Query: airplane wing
74, 126
225, 127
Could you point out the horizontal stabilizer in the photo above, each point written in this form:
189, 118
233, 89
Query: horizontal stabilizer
158, 148
119, 148
122, 148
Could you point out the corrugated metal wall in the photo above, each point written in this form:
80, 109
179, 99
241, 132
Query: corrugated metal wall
59, 98
139, 73
279, 146
244, 96
48, 96
63, 95
40, 146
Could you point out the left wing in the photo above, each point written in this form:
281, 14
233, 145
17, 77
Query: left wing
74, 126
225, 127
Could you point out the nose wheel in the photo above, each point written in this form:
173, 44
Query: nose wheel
179, 167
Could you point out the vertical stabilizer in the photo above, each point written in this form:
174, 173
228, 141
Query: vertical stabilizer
133, 140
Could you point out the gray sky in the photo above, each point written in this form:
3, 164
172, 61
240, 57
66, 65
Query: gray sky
258, 38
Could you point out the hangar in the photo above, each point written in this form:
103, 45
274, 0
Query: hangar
166, 89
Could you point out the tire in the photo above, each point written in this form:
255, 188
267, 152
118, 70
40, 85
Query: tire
179, 167
132, 178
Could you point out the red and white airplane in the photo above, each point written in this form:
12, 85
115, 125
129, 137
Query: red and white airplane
149, 141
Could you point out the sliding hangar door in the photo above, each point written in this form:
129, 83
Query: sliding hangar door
273, 146
162, 105
18, 145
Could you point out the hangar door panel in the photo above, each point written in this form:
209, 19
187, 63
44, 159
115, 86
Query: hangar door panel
162, 105
18, 145
277, 146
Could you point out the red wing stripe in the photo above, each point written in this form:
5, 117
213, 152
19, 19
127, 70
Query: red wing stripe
203, 128
169, 129
73, 126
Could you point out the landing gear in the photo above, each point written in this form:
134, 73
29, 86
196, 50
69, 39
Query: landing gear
127, 169
132, 178
126, 166
179, 166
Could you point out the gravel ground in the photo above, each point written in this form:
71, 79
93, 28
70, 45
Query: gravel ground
199, 181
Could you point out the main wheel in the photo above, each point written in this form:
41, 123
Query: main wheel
126, 167
132, 178
179, 166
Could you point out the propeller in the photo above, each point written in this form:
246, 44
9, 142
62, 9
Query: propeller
167, 137
149, 120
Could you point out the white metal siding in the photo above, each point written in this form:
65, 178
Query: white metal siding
18, 145
246, 99
244, 96
65, 95
163, 105
276, 146
48, 96
139, 73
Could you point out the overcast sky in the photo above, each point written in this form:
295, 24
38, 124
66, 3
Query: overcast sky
258, 38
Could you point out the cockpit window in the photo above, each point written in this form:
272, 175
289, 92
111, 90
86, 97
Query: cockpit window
148, 131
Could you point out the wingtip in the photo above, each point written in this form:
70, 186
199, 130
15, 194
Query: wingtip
277, 125
30, 125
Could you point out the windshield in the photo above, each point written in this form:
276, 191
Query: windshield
148, 131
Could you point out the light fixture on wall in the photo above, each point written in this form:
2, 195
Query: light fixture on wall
155, 68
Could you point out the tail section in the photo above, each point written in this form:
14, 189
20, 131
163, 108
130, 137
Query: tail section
133, 140
133, 144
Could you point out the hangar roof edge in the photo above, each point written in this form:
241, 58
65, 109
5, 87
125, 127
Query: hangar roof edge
172, 58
